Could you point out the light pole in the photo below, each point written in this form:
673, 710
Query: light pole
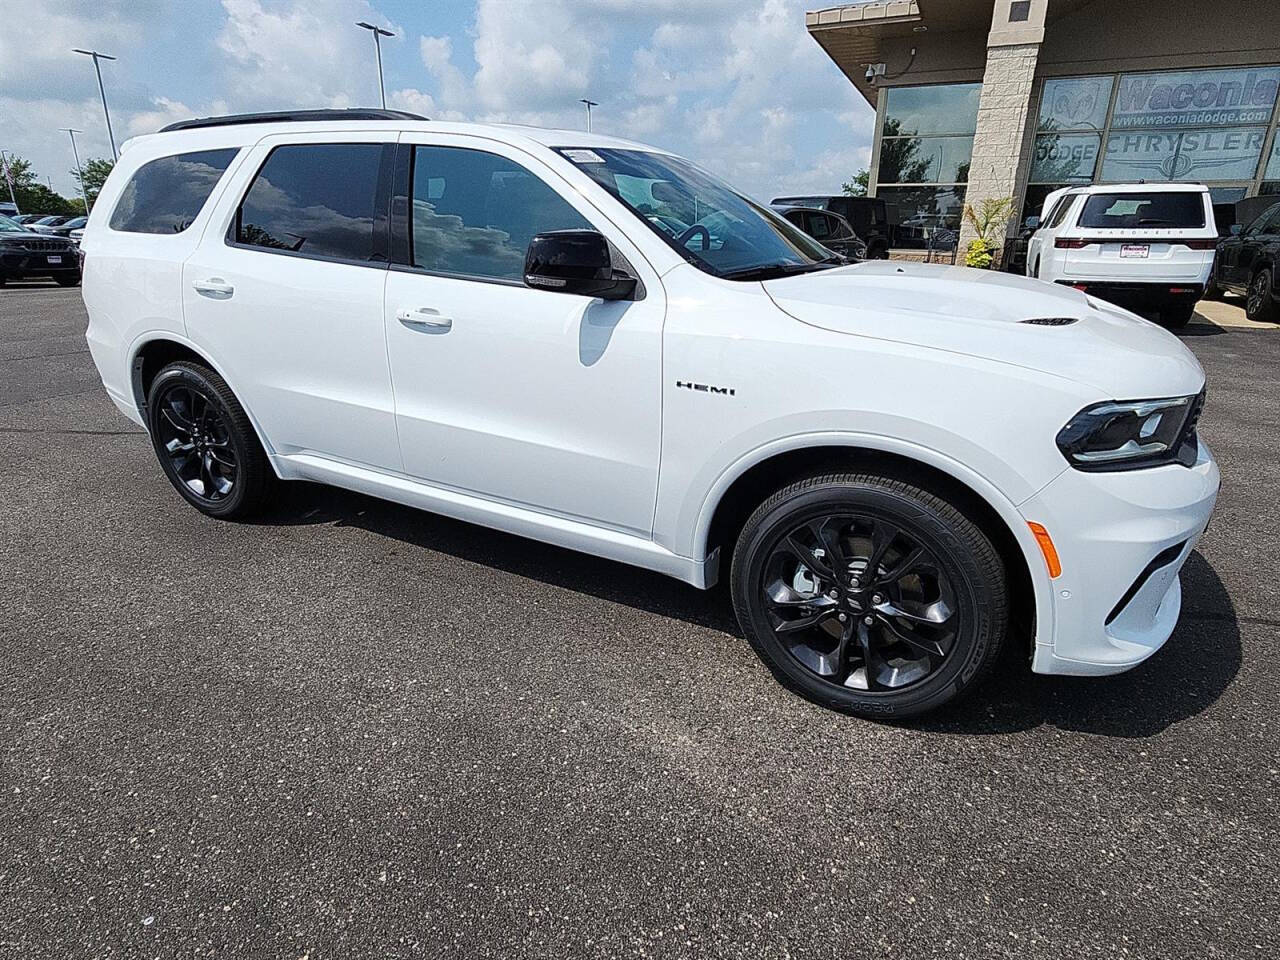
590, 104
378, 34
8, 177
79, 172
102, 90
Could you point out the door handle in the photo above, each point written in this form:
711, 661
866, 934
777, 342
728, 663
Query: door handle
215, 288
425, 319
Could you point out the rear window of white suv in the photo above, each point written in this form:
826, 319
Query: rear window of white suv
1151, 211
166, 195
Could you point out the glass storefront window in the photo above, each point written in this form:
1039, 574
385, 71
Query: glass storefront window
1273, 165
924, 216
1203, 155
1065, 158
1197, 98
925, 159
917, 111
1075, 103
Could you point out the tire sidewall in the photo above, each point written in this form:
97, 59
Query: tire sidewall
1267, 279
973, 597
186, 375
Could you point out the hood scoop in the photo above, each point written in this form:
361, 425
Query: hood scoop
1051, 321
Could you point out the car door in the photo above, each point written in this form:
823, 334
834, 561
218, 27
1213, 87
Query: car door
545, 400
1250, 247
285, 295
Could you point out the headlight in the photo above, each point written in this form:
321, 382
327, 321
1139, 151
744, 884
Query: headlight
1128, 434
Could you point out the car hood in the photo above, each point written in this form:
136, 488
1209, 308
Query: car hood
982, 313
27, 235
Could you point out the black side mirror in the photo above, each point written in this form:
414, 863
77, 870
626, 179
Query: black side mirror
576, 261
1236, 229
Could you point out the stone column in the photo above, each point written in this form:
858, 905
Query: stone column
1013, 51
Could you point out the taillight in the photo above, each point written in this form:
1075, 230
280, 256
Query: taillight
1068, 243
1198, 244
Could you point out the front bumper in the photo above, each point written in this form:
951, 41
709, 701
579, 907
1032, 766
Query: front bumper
1122, 539
21, 264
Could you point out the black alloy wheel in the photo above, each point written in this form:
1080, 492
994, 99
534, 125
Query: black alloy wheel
869, 594
205, 442
197, 441
1260, 304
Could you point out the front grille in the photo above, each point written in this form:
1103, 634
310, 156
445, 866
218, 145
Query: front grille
46, 246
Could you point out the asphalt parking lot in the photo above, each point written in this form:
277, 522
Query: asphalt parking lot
354, 730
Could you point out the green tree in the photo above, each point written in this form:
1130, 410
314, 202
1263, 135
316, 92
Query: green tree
95, 175
859, 185
31, 195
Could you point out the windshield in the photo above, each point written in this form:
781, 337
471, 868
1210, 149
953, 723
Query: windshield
703, 219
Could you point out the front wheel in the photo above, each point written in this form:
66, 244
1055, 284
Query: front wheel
205, 443
869, 595
67, 281
1260, 305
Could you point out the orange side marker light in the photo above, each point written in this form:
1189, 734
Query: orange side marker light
1048, 549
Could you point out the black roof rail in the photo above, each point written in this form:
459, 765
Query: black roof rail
284, 116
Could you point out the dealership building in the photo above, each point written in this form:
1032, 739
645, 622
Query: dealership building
1016, 98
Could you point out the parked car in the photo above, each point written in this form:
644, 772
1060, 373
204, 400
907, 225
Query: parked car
1248, 263
1145, 246
899, 467
64, 229
8, 209
25, 255
47, 224
867, 215
29, 218
829, 229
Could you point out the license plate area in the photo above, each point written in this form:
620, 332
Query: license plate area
54, 259
1135, 251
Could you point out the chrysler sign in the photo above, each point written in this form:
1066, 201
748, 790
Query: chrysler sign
1199, 98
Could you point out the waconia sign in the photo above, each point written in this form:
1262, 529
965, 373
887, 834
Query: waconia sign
1197, 98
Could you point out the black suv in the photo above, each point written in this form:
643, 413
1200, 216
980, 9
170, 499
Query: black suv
25, 254
829, 229
867, 215
1248, 263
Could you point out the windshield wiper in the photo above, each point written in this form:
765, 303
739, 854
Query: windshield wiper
773, 271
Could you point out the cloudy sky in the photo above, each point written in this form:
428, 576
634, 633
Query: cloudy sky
736, 84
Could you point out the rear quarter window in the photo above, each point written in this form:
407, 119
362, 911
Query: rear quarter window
1151, 211
166, 195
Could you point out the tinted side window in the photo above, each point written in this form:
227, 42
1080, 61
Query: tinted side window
166, 195
817, 226
317, 199
1061, 209
474, 213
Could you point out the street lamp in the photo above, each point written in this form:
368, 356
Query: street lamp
378, 34
102, 90
589, 104
79, 172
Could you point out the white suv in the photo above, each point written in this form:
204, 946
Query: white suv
599, 345
1146, 246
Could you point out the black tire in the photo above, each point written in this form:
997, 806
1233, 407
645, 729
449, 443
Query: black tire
1260, 300
225, 449
64, 281
1177, 315
1212, 291
953, 544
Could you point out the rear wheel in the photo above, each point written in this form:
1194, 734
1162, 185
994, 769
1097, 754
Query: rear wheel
205, 443
1175, 316
1260, 304
869, 595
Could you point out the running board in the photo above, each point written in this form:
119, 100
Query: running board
560, 531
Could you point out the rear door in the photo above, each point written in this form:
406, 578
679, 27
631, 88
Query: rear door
544, 400
285, 294
1250, 246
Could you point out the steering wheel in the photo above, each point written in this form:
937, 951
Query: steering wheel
696, 230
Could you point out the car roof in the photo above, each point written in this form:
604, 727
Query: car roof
1096, 188
249, 132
